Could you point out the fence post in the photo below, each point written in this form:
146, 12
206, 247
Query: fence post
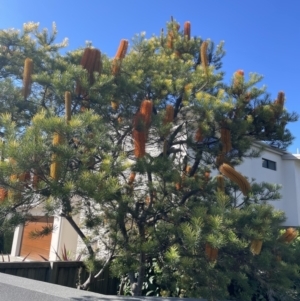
53, 272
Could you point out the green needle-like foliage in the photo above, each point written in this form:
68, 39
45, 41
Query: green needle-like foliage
158, 215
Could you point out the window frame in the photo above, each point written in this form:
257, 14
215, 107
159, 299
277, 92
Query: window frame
269, 164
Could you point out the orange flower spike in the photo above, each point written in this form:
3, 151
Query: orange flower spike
90, 61
28, 68
178, 186
187, 29
289, 235
238, 79
198, 135
256, 246
236, 177
146, 109
139, 139
3, 194
280, 99
188, 169
131, 178
169, 116
226, 140
211, 253
139, 122
121, 52
114, 105
203, 55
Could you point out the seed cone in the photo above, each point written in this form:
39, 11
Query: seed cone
68, 106
226, 140
211, 253
236, 177
121, 52
28, 68
255, 246
187, 30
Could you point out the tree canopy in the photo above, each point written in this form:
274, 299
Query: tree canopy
143, 146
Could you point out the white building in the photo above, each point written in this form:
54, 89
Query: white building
273, 166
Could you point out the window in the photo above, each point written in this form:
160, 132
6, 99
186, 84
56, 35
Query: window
268, 164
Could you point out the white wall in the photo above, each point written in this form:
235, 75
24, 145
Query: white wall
287, 174
67, 237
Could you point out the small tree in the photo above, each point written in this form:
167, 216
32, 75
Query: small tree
133, 142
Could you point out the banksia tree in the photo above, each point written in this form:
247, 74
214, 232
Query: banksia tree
146, 168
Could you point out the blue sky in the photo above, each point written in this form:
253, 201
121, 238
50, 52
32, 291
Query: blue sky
260, 36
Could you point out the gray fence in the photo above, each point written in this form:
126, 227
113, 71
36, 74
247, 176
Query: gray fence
60, 272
